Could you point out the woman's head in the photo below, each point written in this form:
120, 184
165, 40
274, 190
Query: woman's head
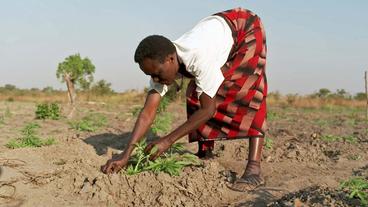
156, 56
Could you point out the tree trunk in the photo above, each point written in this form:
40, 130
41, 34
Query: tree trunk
71, 94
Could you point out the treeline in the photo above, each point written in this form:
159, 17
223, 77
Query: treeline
324, 93
101, 87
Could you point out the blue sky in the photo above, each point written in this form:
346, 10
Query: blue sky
311, 44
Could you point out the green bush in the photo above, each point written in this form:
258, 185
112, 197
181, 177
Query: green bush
172, 162
48, 111
89, 123
29, 138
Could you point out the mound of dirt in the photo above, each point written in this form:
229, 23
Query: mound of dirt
315, 196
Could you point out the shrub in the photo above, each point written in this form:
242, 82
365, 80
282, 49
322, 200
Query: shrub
47, 111
102, 87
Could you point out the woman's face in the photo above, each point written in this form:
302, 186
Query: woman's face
164, 73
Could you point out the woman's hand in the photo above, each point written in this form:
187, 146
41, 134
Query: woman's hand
159, 146
114, 165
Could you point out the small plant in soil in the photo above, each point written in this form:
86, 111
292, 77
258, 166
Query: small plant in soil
358, 188
354, 157
334, 138
29, 138
89, 123
172, 162
268, 143
350, 139
272, 116
48, 111
162, 123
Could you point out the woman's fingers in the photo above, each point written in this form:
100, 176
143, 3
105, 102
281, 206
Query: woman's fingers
155, 154
148, 148
105, 168
109, 167
116, 168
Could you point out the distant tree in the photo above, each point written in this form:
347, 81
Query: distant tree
323, 93
34, 89
341, 93
360, 96
48, 89
75, 71
102, 87
10, 87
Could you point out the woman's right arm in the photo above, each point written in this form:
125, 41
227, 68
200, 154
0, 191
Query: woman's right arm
144, 120
143, 123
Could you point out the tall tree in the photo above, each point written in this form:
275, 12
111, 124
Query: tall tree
75, 71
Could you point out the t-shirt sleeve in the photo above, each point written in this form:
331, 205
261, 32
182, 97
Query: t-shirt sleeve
160, 88
209, 81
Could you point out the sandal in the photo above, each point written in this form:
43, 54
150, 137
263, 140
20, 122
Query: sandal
246, 184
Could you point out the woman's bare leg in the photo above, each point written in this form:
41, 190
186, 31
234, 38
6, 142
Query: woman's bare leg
254, 157
251, 177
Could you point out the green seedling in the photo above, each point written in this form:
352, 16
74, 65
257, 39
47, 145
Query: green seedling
162, 123
29, 138
268, 143
358, 188
271, 116
333, 138
89, 123
350, 139
172, 162
164, 103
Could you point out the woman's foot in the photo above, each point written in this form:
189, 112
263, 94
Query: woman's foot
250, 180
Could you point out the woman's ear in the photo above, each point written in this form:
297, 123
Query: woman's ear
171, 57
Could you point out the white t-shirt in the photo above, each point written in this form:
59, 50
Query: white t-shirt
203, 50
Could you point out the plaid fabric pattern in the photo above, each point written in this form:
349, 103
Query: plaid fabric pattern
241, 99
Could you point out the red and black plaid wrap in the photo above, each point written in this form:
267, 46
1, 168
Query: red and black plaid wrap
241, 98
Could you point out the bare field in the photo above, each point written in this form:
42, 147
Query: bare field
312, 150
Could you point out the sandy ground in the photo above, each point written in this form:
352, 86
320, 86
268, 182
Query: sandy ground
67, 173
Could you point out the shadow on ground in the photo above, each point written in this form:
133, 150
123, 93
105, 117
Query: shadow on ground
102, 142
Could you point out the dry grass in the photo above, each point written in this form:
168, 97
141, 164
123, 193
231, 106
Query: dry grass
62, 97
308, 102
134, 96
